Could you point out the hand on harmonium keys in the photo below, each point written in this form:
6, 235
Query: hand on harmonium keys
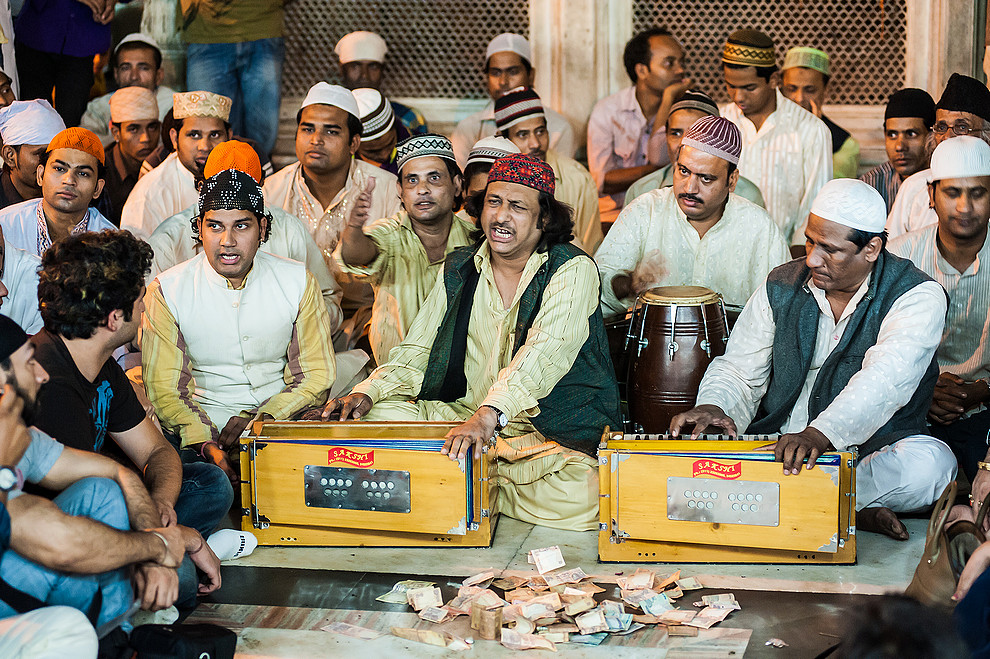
703, 417
479, 430
793, 448
354, 406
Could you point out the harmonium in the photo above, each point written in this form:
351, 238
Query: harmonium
362, 484
721, 500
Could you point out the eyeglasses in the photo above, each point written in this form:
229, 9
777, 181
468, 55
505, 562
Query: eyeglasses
959, 129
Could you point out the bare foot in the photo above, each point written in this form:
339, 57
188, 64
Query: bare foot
881, 520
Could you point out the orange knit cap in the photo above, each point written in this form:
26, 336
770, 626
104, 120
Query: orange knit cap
79, 139
233, 154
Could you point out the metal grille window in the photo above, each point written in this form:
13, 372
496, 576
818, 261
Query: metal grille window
436, 47
865, 39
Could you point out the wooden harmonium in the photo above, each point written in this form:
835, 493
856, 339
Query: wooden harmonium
362, 484
721, 500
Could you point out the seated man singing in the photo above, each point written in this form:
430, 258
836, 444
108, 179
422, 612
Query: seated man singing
234, 333
837, 351
511, 341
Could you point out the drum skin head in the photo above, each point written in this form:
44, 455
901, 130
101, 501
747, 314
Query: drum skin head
668, 295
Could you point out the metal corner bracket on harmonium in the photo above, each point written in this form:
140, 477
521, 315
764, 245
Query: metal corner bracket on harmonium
351, 484
721, 500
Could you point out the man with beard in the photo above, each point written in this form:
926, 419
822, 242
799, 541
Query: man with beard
71, 175
400, 256
79, 550
510, 344
955, 252
521, 118
963, 109
200, 124
626, 129
837, 351
136, 131
907, 121
234, 333
697, 232
26, 128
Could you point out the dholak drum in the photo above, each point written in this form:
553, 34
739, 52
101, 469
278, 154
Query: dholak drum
674, 334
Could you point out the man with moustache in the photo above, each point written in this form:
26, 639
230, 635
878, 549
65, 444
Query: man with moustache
836, 351
234, 333
510, 343
521, 118
72, 175
955, 252
963, 109
626, 129
687, 109
907, 122
136, 131
508, 65
400, 256
26, 128
200, 124
697, 232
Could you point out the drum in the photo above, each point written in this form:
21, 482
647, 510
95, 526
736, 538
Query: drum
674, 334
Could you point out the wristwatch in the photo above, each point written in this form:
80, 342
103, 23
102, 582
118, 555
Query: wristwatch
501, 421
983, 465
8, 479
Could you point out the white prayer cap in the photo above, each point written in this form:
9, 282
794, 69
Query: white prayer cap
513, 43
361, 45
852, 203
29, 122
377, 116
490, 149
323, 93
139, 38
960, 157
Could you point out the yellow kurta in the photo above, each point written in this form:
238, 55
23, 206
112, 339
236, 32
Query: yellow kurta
401, 275
576, 188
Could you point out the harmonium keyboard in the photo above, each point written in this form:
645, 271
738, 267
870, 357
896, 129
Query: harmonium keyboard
722, 500
362, 484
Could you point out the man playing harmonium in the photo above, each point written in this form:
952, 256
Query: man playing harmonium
837, 351
511, 343
698, 232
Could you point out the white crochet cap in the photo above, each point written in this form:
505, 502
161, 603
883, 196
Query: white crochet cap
960, 157
513, 43
852, 203
490, 149
361, 45
324, 93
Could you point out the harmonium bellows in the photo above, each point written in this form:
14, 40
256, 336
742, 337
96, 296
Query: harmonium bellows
362, 484
722, 500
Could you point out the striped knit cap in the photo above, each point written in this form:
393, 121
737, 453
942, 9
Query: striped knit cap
717, 136
749, 48
524, 170
377, 117
517, 105
490, 149
693, 99
418, 146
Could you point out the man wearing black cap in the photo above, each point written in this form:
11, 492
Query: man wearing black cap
234, 333
907, 121
964, 109
86, 530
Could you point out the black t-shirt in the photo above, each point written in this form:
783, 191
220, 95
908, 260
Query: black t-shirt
80, 413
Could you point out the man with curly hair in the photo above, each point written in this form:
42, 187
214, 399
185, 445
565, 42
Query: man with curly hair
90, 291
511, 342
234, 333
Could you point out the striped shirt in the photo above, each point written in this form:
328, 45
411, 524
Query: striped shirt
965, 346
789, 158
885, 180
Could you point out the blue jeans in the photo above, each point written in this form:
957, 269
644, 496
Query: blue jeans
250, 74
99, 499
205, 497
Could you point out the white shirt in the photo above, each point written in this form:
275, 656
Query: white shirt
166, 190
965, 346
20, 224
733, 258
619, 137
912, 207
20, 276
892, 368
474, 127
789, 159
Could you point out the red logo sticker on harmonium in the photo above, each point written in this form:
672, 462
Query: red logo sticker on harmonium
358, 459
717, 469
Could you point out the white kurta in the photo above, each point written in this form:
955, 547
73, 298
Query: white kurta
482, 124
912, 207
20, 224
173, 243
789, 159
166, 190
20, 276
733, 258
